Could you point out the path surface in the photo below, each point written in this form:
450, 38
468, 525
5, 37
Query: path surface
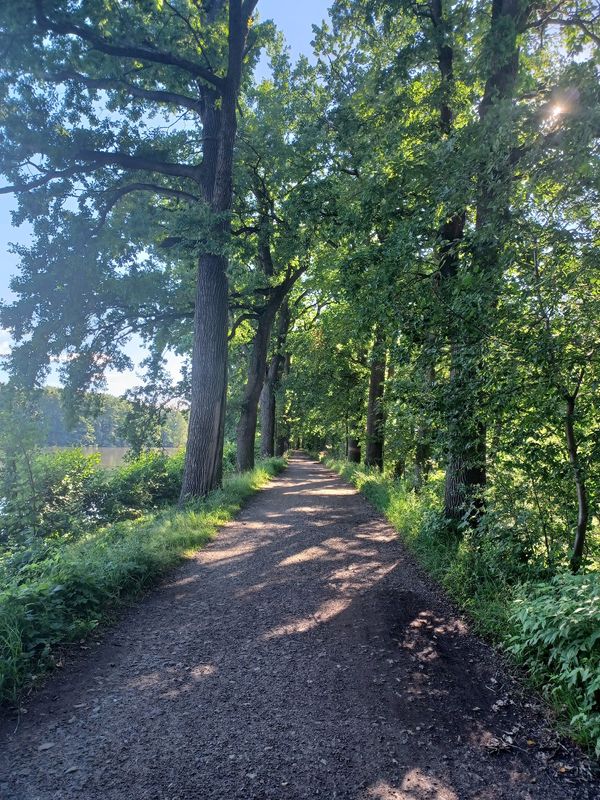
300, 655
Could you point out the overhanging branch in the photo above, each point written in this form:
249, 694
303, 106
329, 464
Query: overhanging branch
125, 50
142, 163
152, 95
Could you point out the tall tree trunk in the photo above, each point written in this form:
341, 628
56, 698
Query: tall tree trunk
271, 384
424, 433
282, 424
267, 414
582, 498
422, 457
375, 407
246, 431
204, 452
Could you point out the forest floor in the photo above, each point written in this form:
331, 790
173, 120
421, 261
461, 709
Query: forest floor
302, 654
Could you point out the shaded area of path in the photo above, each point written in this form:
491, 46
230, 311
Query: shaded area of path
300, 655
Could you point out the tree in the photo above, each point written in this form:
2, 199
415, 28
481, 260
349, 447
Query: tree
71, 69
279, 165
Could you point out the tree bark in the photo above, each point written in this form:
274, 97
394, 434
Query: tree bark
375, 407
267, 414
466, 471
204, 453
422, 457
246, 429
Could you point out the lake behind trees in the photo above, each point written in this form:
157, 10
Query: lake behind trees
110, 456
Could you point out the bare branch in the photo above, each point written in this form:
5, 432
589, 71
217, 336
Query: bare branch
576, 22
17, 188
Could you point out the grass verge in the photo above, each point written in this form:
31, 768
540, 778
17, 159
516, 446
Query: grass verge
63, 598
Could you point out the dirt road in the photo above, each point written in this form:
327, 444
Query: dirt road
300, 655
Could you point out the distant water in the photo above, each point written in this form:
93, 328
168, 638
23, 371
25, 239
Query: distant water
112, 456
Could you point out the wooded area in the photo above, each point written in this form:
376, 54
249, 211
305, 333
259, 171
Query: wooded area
388, 254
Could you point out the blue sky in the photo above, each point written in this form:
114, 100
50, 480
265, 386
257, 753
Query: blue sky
295, 19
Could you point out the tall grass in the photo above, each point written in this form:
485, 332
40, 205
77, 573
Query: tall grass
83, 583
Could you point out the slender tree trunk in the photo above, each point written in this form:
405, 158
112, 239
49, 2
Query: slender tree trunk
422, 457
268, 394
353, 450
466, 472
582, 499
375, 407
246, 429
267, 416
424, 433
466, 465
281, 423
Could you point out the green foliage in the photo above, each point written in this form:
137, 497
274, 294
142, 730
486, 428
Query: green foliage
63, 597
151, 480
558, 638
51, 494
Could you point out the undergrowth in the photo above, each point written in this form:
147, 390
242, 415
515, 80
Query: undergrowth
548, 623
62, 598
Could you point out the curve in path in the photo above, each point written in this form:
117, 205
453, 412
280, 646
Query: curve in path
300, 655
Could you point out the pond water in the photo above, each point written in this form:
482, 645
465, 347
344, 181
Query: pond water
112, 456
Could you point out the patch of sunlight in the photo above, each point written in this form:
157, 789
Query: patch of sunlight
203, 671
227, 553
326, 611
145, 681
183, 581
415, 786
310, 554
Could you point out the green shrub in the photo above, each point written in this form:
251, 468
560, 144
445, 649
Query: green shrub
63, 494
81, 582
51, 493
150, 481
229, 457
558, 638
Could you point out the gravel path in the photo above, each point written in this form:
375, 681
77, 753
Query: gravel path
300, 655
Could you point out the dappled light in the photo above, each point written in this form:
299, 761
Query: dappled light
321, 653
415, 786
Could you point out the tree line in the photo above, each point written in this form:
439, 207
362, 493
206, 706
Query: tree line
104, 421
392, 251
